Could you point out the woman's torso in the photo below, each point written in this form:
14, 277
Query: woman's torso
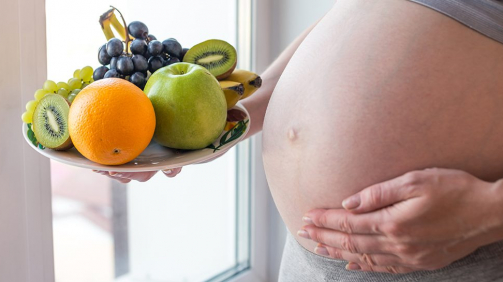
377, 89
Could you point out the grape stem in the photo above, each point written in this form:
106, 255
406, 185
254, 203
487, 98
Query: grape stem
125, 27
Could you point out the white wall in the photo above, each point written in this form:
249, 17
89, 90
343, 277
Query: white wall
279, 22
25, 198
290, 17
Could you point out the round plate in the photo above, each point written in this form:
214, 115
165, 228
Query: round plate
154, 157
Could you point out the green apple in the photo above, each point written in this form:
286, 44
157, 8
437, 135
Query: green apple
190, 106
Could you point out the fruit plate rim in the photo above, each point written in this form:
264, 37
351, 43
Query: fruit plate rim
155, 157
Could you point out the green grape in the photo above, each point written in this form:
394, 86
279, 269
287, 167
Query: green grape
75, 83
76, 91
86, 73
30, 106
71, 97
50, 86
76, 74
63, 92
40, 93
84, 85
27, 117
63, 85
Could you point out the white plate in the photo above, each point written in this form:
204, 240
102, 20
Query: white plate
154, 157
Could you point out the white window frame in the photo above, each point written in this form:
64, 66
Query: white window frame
26, 241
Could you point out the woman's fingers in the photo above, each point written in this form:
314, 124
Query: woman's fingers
172, 172
126, 177
388, 263
368, 259
121, 180
344, 221
138, 176
352, 243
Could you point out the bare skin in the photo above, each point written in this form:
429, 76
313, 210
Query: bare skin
376, 89
422, 220
392, 87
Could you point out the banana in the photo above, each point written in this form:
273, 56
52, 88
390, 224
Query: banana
233, 92
251, 81
109, 20
105, 24
118, 27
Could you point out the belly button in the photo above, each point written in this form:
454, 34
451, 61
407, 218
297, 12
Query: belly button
292, 135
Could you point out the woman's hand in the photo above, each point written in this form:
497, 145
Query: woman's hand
423, 220
126, 177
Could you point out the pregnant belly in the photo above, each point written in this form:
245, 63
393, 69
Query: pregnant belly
381, 96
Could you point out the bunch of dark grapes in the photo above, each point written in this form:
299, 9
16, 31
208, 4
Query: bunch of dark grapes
143, 57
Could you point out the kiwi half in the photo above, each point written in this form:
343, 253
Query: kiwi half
218, 56
50, 122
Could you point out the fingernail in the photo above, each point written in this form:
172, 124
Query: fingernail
113, 173
353, 266
321, 251
303, 233
307, 220
352, 202
167, 171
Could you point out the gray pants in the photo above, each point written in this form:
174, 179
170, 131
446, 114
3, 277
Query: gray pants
300, 265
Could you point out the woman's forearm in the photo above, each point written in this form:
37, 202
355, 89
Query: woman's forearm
257, 103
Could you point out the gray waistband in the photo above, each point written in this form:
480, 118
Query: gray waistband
300, 265
484, 16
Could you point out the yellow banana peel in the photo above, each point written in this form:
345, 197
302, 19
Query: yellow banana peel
250, 80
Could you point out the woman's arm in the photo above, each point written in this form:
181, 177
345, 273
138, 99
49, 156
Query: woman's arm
256, 106
258, 102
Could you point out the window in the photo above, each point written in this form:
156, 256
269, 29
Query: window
27, 212
194, 227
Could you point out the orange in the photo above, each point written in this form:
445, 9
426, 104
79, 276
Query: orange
111, 121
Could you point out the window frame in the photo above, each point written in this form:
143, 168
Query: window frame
257, 42
26, 239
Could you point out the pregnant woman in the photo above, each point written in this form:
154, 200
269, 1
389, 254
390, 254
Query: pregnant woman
374, 90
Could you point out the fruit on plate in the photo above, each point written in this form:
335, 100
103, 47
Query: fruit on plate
251, 81
172, 47
138, 30
50, 122
233, 92
136, 55
218, 56
27, 116
109, 20
111, 121
184, 51
81, 78
72, 95
189, 105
